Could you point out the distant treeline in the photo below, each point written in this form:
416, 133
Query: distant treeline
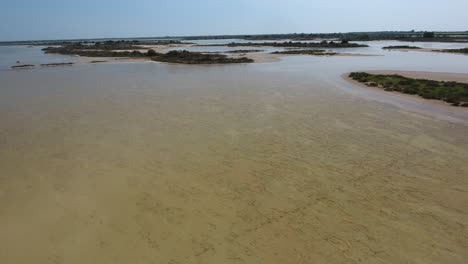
428, 36
353, 36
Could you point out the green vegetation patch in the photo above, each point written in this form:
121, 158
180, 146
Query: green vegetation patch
244, 51
57, 64
22, 66
290, 44
70, 50
463, 50
313, 52
187, 57
451, 92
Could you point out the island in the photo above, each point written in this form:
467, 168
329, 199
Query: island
244, 51
186, 57
462, 51
57, 64
291, 44
455, 93
314, 52
95, 51
401, 47
129, 50
406, 48
22, 66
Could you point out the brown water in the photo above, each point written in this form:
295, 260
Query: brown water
262, 163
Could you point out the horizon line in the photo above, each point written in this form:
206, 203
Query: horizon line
230, 35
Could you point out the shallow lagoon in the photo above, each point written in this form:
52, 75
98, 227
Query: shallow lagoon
280, 162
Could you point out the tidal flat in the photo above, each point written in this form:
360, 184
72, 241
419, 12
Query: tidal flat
280, 162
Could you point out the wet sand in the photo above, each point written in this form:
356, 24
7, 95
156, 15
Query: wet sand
262, 57
159, 163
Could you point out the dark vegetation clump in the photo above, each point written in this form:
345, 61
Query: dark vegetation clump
70, 50
401, 47
102, 49
22, 66
187, 57
428, 35
151, 53
244, 51
454, 93
57, 64
108, 45
463, 50
290, 44
314, 52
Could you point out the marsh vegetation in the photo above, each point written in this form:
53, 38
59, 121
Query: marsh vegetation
290, 44
314, 52
462, 51
245, 51
22, 66
107, 50
454, 93
401, 47
76, 50
187, 57
57, 64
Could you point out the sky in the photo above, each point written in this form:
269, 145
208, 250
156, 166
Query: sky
76, 19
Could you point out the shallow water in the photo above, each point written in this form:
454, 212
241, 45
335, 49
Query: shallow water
225, 49
256, 163
375, 47
9, 55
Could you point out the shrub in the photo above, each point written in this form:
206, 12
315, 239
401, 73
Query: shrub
151, 53
428, 35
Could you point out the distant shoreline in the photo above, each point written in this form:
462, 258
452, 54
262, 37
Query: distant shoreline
409, 36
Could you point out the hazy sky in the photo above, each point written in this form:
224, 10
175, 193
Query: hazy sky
65, 19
